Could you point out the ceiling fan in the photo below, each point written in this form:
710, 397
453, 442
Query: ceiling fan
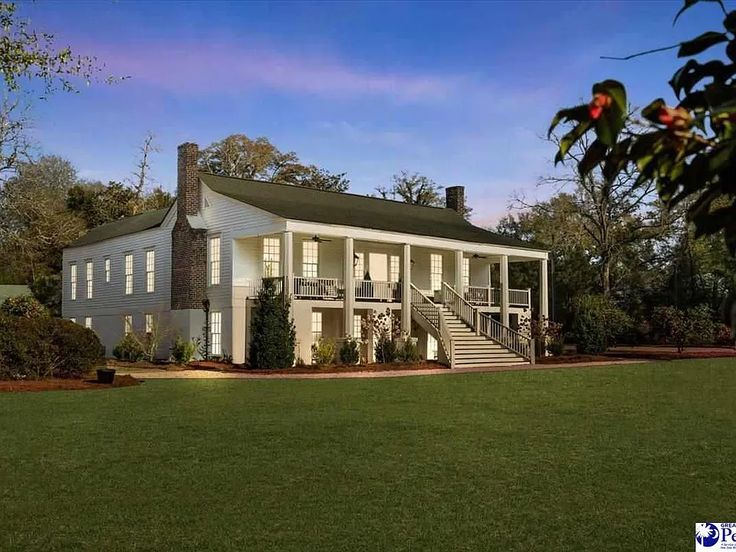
476, 256
317, 239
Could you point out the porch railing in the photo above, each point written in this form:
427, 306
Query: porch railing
432, 314
377, 291
317, 288
489, 296
513, 340
253, 287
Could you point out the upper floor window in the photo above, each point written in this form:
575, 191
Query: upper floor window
128, 274
271, 257
150, 270
435, 271
108, 270
310, 259
358, 266
393, 268
466, 272
89, 268
214, 256
73, 281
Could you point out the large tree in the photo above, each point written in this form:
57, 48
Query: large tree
258, 159
413, 188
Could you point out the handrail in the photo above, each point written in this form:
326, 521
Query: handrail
432, 313
317, 288
459, 305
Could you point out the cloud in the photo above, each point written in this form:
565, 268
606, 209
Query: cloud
230, 67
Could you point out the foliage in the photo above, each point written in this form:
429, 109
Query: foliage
548, 335
44, 347
258, 159
409, 351
272, 330
723, 335
385, 328
598, 323
129, 349
323, 351
350, 351
182, 351
415, 189
386, 350
26, 306
689, 151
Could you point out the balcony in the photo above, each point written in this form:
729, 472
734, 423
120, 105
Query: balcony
318, 288
491, 297
370, 290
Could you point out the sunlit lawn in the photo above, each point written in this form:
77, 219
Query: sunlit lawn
616, 458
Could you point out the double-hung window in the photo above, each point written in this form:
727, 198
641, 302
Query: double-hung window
316, 326
73, 281
128, 324
271, 257
108, 270
128, 274
214, 257
435, 271
310, 259
393, 268
357, 326
88, 322
88, 275
216, 333
149, 323
358, 266
150, 270
466, 272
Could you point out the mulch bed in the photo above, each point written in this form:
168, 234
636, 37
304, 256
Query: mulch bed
16, 386
326, 369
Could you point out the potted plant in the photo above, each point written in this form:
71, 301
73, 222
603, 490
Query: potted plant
105, 375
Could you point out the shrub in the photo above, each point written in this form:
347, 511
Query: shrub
273, 335
182, 351
548, 336
26, 306
350, 351
384, 327
46, 347
409, 352
598, 323
385, 349
128, 349
681, 328
723, 335
323, 352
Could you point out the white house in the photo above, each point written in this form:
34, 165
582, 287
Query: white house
337, 256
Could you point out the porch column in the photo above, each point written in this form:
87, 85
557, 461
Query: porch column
287, 262
349, 281
543, 290
504, 277
406, 290
459, 273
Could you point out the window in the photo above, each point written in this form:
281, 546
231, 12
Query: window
214, 255
435, 271
128, 324
431, 347
150, 270
107, 270
310, 259
271, 257
357, 326
88, 278
316, 326
129, 274
73, 281
216, 333
72, 319
393, 268
88, 322
149, 323
466, 272
358, 266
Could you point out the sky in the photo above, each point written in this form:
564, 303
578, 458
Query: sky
460, 92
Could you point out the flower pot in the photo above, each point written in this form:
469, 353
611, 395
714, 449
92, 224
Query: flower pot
105, 375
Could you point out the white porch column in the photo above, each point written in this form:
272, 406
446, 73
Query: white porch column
543, 290
459, 273
406, 290
504, 277
287, 262
349, 281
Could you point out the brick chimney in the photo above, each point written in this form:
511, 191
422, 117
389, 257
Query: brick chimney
188, 245
455, 198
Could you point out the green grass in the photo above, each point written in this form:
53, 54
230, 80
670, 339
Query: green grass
616, 458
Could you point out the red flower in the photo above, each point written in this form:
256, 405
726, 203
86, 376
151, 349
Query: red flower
596, 106
674, 118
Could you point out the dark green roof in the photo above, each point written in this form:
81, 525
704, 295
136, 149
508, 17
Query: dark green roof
122, 227
310, 205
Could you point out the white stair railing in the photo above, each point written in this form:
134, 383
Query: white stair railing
432, 314
458, 305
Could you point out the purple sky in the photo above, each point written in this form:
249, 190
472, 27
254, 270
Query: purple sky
460, 92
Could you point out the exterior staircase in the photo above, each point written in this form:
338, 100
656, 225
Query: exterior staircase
466, 337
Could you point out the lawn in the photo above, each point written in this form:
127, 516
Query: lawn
616, 458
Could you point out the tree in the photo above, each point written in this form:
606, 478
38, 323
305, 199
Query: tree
141, 176
242, 157
272, 330
688, 151
97, 204
14, 142
413, 188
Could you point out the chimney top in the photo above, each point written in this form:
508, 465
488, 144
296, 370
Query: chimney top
187, 189
455, 198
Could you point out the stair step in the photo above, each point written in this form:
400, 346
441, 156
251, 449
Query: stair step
493, 365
